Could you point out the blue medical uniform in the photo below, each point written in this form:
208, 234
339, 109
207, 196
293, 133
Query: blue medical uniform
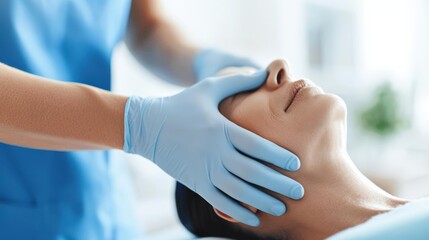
62, 195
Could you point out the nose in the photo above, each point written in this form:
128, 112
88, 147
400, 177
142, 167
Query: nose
278, 74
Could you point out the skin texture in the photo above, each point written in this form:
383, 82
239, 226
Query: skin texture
312, 125
40, 113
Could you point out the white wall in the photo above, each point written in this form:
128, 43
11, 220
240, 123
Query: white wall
421, 55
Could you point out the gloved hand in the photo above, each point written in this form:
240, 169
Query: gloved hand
187, 137
209, 61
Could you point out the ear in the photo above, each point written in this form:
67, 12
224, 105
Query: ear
228, 218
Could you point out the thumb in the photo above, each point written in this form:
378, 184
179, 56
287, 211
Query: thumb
245, 62
230, 85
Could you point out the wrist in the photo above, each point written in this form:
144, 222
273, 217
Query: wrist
127, 132
143, 118
133, 123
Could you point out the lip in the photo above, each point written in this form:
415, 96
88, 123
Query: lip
295, 89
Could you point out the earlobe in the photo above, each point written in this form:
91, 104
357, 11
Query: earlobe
228, 218
224, 216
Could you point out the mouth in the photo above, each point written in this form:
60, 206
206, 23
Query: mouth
296, 87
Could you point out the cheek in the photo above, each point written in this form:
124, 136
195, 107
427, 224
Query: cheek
253, 113
321, 111
314, 115
293, 130
304, 118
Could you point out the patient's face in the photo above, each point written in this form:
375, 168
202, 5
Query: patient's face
303, 119
292, 114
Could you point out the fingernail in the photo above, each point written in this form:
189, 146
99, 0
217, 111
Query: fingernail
298, 192
278, 209
254, 222
293, 164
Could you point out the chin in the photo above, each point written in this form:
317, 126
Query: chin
334, 107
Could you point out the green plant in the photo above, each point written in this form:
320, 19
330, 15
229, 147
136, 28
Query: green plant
383, 116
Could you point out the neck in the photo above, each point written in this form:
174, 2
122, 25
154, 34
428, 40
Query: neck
338, 195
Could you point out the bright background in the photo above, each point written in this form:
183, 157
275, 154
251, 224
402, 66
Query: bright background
348, 47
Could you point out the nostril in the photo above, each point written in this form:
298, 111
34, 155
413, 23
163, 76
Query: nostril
280, 76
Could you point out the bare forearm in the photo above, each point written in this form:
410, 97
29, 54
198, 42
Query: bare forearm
40, 113
158, 45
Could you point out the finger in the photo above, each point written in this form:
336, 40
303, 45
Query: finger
257, 147
259, 174
242, 62
226, 86
245, 193
210, 61
232, 208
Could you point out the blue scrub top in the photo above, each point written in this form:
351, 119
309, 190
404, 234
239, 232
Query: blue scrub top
62, 195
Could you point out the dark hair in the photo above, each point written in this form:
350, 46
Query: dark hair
197, 215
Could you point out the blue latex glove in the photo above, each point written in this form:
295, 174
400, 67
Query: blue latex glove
209, 61
187, 137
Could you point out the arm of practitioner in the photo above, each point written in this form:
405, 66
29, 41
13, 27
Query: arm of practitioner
39, 113
158, 45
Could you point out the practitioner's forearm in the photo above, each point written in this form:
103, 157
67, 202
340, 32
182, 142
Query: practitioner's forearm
41, 113
158, 45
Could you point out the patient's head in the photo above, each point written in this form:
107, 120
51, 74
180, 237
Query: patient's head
292, 114
303, 119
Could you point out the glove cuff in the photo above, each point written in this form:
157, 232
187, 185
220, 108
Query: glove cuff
127, 131
135, 128
143, 119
